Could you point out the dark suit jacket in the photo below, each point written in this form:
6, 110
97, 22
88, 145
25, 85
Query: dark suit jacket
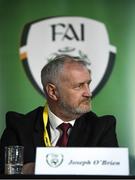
27, 130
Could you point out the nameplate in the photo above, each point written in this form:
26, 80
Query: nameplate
81, 161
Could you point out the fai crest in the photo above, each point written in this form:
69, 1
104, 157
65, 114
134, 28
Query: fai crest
77, 36
54, 160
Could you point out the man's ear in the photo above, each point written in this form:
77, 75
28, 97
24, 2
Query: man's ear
52, 91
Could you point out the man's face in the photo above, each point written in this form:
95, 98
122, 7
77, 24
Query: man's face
74, 92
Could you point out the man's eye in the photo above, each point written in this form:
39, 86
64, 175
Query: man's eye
79, 86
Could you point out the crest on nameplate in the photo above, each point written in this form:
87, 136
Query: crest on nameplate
54, 160
42, 40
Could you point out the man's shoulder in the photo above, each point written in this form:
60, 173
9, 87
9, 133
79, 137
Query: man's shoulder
92, 116
13, 116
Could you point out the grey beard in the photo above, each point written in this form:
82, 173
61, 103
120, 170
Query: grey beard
71, 110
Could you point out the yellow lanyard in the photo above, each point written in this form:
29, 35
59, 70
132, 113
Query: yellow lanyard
45, 120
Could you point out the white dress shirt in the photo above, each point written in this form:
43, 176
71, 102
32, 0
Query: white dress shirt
54, 123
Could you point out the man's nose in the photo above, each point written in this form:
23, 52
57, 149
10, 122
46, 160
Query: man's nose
87, 92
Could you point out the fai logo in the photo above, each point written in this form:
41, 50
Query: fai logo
54, 160
77, 36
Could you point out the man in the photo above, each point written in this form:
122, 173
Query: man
66, 81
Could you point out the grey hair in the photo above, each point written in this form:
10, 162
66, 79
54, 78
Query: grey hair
51, 71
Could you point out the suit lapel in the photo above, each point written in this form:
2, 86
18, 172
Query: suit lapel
79, 134
39, 130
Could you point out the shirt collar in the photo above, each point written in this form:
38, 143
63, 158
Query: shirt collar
56, 121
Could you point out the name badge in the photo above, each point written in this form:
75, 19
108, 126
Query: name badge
81, 161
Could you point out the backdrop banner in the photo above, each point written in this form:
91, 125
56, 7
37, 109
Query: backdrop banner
101, 32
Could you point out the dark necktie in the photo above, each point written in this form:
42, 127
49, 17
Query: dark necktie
62, 141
